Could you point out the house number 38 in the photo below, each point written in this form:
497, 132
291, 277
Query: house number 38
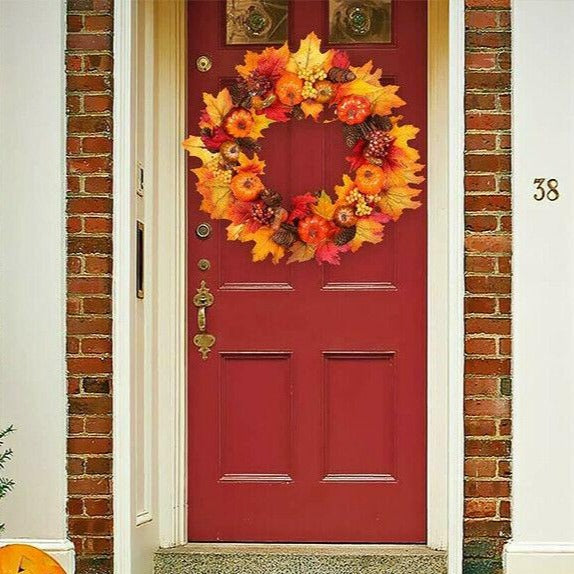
548, 191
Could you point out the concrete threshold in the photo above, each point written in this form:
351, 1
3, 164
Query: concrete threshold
227, 558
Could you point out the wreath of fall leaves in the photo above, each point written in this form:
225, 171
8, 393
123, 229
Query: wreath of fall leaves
277, 85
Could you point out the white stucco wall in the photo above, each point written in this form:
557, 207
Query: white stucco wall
543, 292
32, 267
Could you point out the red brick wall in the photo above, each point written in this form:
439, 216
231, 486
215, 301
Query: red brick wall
488, 283
89, 106
488, 384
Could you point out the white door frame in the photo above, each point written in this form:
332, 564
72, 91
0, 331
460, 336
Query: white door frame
168, 260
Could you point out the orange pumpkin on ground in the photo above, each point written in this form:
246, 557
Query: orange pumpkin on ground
370, 179
24, 559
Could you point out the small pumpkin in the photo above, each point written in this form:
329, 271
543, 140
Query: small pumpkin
325, 91
314, 229
24, 559
238, 123
246, 186
344, 216
370, 179
289, 89
353, 109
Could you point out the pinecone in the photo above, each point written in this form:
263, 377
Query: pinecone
262, 213
378, 144
248, 145
352, 134
286, 235
345, 235
240, 95
271, 198
257, 84
340, 75
380, 122
297, 113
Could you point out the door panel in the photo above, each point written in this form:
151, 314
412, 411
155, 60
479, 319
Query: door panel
307, 423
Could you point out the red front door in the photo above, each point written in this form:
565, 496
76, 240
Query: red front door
307, 421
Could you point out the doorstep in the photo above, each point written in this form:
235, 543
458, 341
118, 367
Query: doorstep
200, 558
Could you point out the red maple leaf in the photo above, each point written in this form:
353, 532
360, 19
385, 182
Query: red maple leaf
357, 159
301, 204
341, 59
278, 112
213, 142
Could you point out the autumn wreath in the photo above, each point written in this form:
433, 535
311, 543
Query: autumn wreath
277, 86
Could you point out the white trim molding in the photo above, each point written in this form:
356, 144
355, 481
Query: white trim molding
525, 558
60, 550
123, 283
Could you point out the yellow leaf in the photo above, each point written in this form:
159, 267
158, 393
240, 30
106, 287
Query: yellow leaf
260, 122
364, 73
309, 56
311, 108
368, 230
383, 98
264, 245
235, 231
324, 206
195, 148
216, 193
301, 252
343, 190
218, 107
251, 164
396, 199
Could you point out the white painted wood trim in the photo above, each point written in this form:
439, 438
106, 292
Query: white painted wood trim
122, 283
456, 127
60, 550
171, 262
524, 558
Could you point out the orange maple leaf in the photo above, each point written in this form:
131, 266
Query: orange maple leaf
271, 62
251, 164
311, 109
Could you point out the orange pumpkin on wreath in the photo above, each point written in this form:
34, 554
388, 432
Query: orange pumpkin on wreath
277, 85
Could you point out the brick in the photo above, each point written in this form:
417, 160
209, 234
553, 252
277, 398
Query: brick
88, 83
82, 42
98, 465
489, 162
479, 508
89, 485
98, 103
481, 19
96, 405
88, 325
480, 468
487, 488
487, 407
89, 445
97, 145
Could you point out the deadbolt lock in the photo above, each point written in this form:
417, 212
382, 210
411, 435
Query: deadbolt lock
203, 230
203, 63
